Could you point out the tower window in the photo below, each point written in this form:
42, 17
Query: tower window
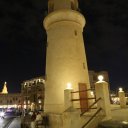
75, 32
83, 65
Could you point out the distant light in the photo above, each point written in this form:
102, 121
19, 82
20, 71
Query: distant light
2, 114
120, 89
92, 93
100, 78
69, 86
15, 105
5, 82
39, 80
43, 81
25, 106
28, 101
125, 122
39, 101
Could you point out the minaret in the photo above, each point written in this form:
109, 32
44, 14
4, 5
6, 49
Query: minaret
65, 57
4, 90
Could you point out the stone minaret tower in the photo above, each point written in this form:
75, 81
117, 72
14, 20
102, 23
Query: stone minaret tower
4, 90
65, 58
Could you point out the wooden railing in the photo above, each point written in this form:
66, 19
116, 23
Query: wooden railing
83, 91
82, 99
92, 117
90, 106
79, 99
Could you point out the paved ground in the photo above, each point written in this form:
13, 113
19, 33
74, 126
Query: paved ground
119, 118
5, 122
16, 123
118, 113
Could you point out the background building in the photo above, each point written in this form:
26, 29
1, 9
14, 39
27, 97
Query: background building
93, 77
33, 90
13, 100
9, 100
33, 93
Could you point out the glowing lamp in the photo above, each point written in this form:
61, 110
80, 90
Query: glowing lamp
25, 106
69, 86
100, 78
120, 89
124, 122
92, 93
28, 101
15, 105
39, 101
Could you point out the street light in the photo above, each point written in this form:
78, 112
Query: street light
100, 78
120, 89
69, 86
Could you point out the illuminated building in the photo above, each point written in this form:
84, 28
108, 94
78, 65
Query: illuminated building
33, 93
66, 57
4, 90
8, 100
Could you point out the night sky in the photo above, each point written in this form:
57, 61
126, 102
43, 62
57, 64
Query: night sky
23, 40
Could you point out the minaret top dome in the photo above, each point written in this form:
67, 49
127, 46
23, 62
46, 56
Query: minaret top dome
62, 4
4, 90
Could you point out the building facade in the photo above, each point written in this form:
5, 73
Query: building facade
33, 93
10, 100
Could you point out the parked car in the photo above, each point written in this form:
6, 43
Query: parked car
9, 114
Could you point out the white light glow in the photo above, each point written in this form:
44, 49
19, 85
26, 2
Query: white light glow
28, 101
120, 89
15, 106
69, 86
100, 78
39, 101
92, 93
1, 114
125, 122
25, 106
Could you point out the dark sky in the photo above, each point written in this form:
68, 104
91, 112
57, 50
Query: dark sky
23, 39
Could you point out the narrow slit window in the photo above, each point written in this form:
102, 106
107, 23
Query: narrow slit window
83, 65
75, 32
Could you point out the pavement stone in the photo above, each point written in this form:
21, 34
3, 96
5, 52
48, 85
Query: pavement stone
16, 123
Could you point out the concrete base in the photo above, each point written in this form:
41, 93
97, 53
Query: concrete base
68, 119
122, 99
101, 89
